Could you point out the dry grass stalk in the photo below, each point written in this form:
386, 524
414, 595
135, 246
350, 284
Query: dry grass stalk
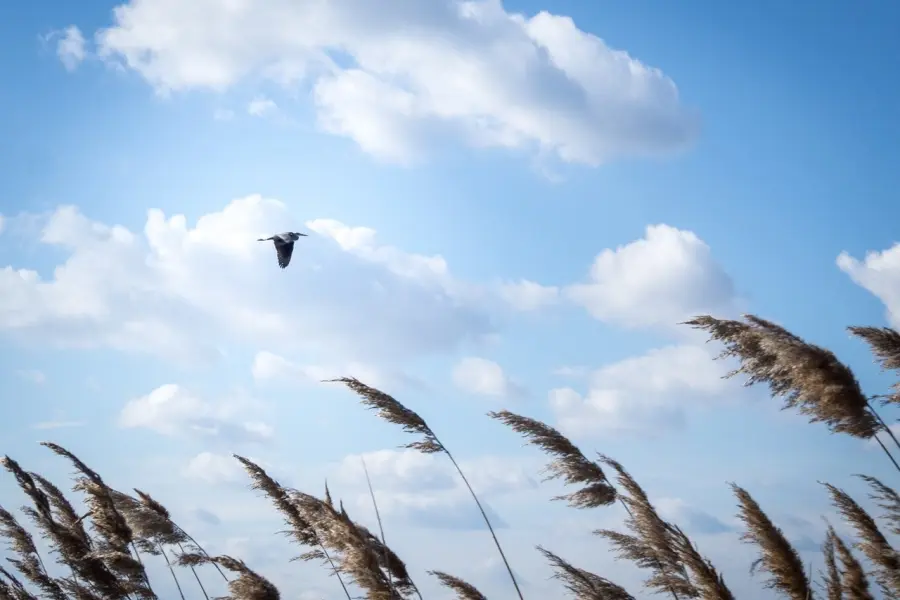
872, 542
29, 562
15, 588
463, 589
393, 411
249, 585
569, 463
115, 540
887, 499
652, 545
382, 541
832, 576
777, 556
808, 377
884, 343
351, 545
583, 584
707, 580
301, 530
72, 545
854, 583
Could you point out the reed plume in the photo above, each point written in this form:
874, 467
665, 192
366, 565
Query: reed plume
462, 589
777, 556
707, 580
393, 411
887, 499
872, 542
301, 530
652, 545
884, 343
854, 583
71, 543
15, 588
115, 536
29, 562
810, 379
372, 564
583, 584
249, 585
569, 463
832, 576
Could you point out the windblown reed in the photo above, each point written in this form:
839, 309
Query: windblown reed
103, 551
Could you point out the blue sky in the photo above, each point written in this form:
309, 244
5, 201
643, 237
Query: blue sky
458, 138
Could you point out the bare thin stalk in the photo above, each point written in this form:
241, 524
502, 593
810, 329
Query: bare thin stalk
884, 425
486, 520
390, 577
194, 571
202, 551
172, 571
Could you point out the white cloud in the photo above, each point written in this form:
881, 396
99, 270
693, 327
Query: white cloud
71, 47
183, 292
268, 367
575, 371
425, 490
261, 106
172, 410
34, 376
58, 424
2, 223
483, 377
659, 280
223, 114
214, 468
879, 273
527, 295
648, 393
416, 68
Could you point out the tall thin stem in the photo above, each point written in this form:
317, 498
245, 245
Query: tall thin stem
883, 424
171, 570
194, 571
658, 564
199, 547
390, 577
143, 569
886, 451
485, 517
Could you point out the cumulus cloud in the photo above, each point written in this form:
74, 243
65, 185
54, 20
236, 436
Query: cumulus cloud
527, 295
270, 367
223, 114
484, 378
172, 410
261, 106
659, 280
35, 376
391, 75
71, 47
183, 292
879, 273
691, 518
648, 393
214, 468
410, 471
425, 490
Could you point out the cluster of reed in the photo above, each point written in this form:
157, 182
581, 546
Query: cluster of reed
101, 551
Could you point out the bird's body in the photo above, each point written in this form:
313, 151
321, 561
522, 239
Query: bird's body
284, 245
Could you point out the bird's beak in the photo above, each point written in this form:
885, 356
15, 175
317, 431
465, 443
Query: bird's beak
303, 234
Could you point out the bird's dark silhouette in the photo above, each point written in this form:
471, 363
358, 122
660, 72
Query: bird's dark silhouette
284, 245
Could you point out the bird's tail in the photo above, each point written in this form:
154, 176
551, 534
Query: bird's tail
263, 239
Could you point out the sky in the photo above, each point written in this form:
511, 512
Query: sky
507, 206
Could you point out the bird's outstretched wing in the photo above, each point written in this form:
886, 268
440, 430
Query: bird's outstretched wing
284, 250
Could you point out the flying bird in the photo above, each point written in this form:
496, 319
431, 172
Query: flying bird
284, 245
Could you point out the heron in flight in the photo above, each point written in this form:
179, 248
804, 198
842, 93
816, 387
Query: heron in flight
284, 245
